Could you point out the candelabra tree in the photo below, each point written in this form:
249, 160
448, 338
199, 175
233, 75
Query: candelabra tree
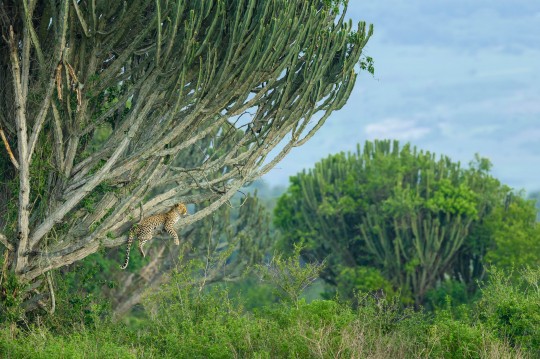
156, 81
399, 210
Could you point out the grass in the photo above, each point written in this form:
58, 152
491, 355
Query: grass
182, 322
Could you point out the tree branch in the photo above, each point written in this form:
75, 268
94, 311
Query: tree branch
24, 170
59, 49
81, 19
4, 241
30, 28
58, 138
58, 214
51, 293
8, 149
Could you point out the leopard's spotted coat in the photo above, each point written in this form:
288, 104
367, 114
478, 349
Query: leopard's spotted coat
145, 230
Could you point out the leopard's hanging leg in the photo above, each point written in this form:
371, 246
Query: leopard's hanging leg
170, 229
142, 240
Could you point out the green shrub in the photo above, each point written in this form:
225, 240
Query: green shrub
452, 338
515, 233
352, 280
512, 309
454, 290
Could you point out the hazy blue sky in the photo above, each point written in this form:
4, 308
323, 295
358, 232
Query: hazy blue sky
454, 77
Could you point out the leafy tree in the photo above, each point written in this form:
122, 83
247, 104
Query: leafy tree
516, 235
114, 110
290, 276
402, 211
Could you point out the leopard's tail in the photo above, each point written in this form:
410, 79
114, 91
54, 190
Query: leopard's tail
130, 241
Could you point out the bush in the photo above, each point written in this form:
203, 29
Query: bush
353, 280
512, 310
515, 233
453, 338
453, 290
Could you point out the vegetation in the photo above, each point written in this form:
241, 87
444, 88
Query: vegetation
400, 219
192, 315
114, 110
228, 242
186, 320
515, 235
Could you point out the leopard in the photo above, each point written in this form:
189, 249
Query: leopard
144, 231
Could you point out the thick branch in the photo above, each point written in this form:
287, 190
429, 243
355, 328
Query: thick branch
58, 138
30, 28
24, 170
59, 49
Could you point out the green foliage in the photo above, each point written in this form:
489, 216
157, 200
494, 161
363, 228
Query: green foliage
452, 338
251, 293
447, 198
10, 298
516, 235
80, 294
289, 275
194, 322
535, 197
367, 64
42, 343
186, 320
512, 309
353, 280
449, 289
413, 217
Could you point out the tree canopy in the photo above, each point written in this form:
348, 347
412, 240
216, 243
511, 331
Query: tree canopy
114, 110
415, 218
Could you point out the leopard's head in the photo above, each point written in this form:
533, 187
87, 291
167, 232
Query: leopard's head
181, 209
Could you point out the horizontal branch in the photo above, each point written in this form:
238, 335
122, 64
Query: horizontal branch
62, 261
